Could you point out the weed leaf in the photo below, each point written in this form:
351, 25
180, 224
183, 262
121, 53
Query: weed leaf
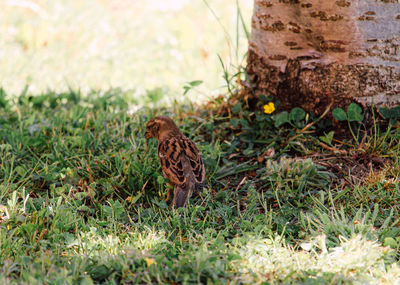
297, 114
354, 113
281, 119
339, 114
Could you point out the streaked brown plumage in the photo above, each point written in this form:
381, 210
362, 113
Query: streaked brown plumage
180, 159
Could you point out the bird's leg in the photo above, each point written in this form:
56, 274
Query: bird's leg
199, 189
169, 188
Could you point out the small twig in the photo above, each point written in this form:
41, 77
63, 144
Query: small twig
144, 185
333, 149
45, 231
241, 183
344, 143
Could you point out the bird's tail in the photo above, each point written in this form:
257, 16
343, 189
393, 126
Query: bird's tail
182, 193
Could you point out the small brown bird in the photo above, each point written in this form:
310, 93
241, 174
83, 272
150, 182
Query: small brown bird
180, 159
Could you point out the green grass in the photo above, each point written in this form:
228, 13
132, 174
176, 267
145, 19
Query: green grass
85, 201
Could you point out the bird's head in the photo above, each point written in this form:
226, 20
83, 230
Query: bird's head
160, 126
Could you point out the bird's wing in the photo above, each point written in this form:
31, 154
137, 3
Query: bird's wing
196, 162
178, 156
172, 160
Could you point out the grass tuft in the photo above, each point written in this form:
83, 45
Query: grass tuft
82, 199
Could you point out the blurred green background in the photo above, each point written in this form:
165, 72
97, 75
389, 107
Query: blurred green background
132, 45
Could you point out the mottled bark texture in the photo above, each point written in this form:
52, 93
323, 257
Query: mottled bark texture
312, 52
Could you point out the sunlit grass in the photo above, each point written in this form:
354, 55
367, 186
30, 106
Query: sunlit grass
95, 243
353, 260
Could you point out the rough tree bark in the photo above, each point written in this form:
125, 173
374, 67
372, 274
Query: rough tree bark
312, 52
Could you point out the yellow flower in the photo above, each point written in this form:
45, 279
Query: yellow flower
4, 215
150, 261
269, 108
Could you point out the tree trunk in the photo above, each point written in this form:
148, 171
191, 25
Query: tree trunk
311, 53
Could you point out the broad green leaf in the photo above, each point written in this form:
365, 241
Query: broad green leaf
396, 112
339, 114
354, 113
281, 119
297, 114
390, 113
327, 138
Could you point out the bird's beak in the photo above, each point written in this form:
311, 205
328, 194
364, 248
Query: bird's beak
148, 134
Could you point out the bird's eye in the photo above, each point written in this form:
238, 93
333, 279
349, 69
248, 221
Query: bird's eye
153, 127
